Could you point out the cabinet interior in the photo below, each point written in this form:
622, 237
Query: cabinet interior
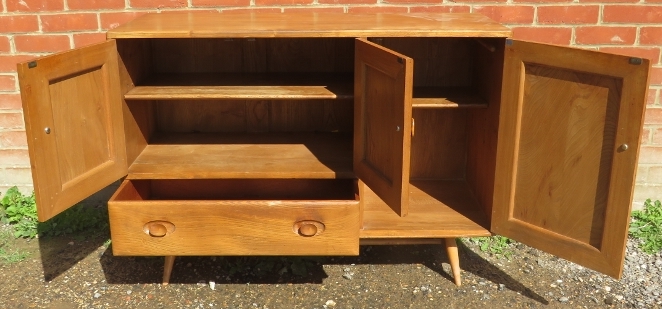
283, 108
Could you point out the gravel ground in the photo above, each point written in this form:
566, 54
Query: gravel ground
81, 272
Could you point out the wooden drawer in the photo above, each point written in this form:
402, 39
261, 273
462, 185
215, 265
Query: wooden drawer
235, 217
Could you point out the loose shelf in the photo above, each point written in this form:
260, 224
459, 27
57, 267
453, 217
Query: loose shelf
245, 155
244, 86
284, 86
437, 209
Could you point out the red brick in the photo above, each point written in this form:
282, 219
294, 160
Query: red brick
605, 35
652, 96
478, 1
83, 39
315, 9
552, 35
196, 3
8, 62
608, 1
542, 1
656, 76
645, 136
95, 4
632, 14
150, 4
112, 20
507, 14
5, 47
650, 35
568, 14
34, 5
652, 53
282, 2
264, 10
19, 23
377, 9
11, 139
14, 157
11, 121
653, 115
69, 22
10, 101
650, 154
7, 83
347, 1
441, 9
657, 138
41, 43
653, 1
413, 1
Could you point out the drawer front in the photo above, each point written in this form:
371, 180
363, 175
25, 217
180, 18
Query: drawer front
241, 227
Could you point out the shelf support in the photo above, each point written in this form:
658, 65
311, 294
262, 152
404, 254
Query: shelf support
167, 268
454, 259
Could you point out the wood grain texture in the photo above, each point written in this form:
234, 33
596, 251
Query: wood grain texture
560, 177
76, 95
439, 148
483, 124
217, 116
437, 209
382, 122
307, 24
234, 227
287, 155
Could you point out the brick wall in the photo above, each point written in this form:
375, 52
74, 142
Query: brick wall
30, 28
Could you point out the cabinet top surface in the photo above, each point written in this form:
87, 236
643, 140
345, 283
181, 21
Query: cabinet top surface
307, 24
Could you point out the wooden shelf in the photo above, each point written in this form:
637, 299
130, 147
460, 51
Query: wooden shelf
245, 155
437, 209
245, 86
446, 97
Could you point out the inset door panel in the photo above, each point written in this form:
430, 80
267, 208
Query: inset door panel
571, 122
73, 113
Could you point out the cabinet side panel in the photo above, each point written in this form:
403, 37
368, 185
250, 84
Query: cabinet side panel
135, 67
483, 124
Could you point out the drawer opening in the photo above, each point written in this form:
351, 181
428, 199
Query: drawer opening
238, 189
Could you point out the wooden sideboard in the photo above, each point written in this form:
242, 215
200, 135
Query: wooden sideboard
313, 133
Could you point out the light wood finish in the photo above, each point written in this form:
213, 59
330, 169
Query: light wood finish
438, 97
399, 241
267, 86
439, 148
286, 155
454, 259
73, 113
263, 226
561, 180
382, 122
167, 268
307, 24
438, 209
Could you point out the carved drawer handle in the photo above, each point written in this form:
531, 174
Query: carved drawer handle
158, 228
308, 228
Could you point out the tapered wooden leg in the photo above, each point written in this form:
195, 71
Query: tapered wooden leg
167, 268
454, 258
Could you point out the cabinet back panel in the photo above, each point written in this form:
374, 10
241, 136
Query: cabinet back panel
438, 62
439, 145
253, 55
254, 116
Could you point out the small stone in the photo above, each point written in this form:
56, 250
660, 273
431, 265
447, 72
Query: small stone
563, 299
330, 303
608, 289
501, 287
348, 276
97, 295
619, 297
71, 243
346, 269
128, 292
212, 285
610, 300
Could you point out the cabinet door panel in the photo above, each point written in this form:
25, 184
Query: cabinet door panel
73, 116
564, 175
382, 132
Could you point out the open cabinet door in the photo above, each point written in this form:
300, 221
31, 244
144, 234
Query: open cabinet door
382, 122
569, 132
73, 117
